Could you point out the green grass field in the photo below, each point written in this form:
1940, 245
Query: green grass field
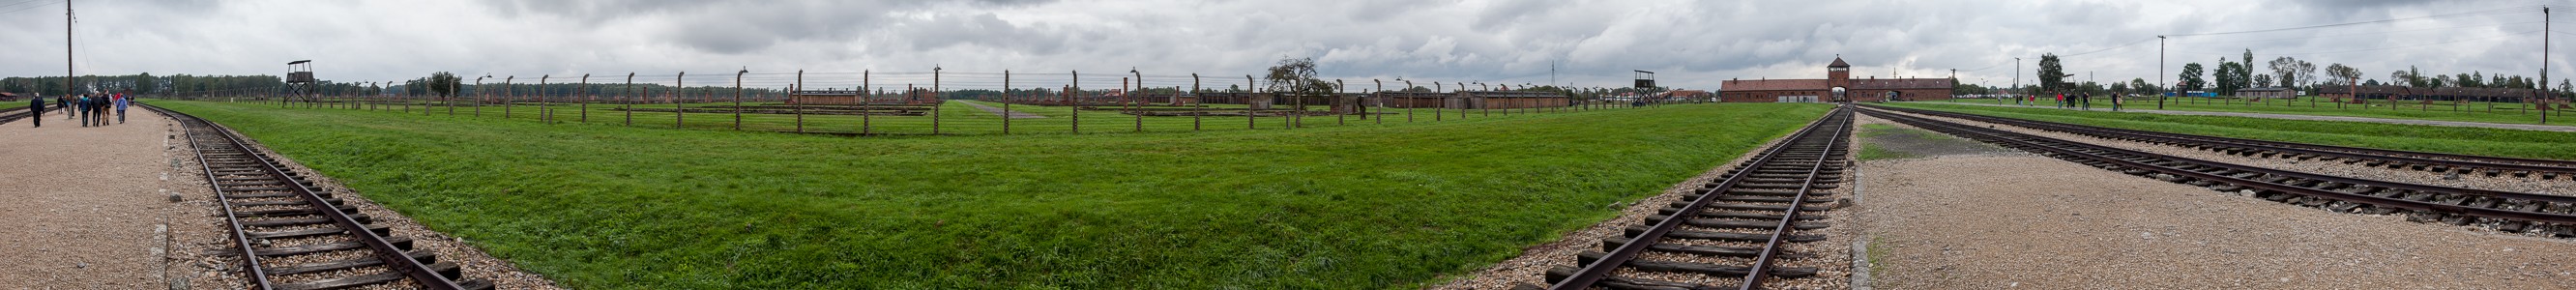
2514, 113
1870, 151
2458, 140
1391, 206
953, 118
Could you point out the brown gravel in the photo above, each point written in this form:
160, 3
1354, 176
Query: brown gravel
2041, 223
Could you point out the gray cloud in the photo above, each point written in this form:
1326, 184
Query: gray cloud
1587, 42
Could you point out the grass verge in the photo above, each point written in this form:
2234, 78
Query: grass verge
1873, 151
2457, 140
2507, 113
1392, 206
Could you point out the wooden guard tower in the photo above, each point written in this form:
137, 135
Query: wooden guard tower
299, 82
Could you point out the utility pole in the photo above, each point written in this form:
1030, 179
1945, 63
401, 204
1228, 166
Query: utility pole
2017, 74
2160, 68
67, 48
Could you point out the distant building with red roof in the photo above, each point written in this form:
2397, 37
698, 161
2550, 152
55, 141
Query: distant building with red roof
1837, 86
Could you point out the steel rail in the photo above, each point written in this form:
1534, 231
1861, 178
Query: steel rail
1601, 268
1762, 264
241, 238
2489, 163
393, 256
2032, 142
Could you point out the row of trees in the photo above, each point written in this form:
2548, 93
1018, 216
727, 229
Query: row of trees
2233, 75
2300, 74
146, 83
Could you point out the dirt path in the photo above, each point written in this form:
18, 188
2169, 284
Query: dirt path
999, 112
88, 207
2022, 221
2099, 107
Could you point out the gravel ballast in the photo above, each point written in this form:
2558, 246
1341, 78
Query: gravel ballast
2021, 221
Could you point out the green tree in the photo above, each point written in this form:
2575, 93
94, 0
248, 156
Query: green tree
2228, 77
2263, 81
1297, 75
2191, 79
2052, 73
444, 84
2343, 74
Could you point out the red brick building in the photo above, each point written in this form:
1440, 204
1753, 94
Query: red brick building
1837, 86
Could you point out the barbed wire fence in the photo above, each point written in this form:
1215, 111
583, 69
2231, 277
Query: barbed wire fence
941, 102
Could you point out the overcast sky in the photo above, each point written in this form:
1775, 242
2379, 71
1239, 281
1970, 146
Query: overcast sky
1693, 44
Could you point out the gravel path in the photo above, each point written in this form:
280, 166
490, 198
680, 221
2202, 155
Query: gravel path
87, 207
2017, 221
2534, 127
1004, 114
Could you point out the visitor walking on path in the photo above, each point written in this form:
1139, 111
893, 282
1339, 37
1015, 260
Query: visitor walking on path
36, 105
64, 103
2087, 99
82, 105
121, 101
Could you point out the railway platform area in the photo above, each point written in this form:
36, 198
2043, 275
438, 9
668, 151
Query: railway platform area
87, 207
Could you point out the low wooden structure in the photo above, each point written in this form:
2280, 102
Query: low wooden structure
852, 97
2270, 92
1469, 100
2393, 93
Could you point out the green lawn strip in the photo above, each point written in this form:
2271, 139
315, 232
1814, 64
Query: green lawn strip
2510, 113
1870, 151
2456, 140
1396, 206
953, 119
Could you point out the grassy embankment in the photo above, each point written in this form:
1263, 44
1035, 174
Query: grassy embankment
1394, 206
2457, 140
2511, 113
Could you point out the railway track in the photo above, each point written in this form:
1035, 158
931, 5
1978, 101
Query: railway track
293, 237
2426, 161
14, 114
2504, 211
1736, 229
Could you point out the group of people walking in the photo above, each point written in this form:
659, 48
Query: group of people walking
92, 109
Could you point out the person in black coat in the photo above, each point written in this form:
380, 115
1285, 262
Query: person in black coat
36, 107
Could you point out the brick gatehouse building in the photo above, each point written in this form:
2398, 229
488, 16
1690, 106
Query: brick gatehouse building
1836, 86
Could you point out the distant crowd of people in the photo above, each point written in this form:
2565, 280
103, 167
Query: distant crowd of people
2076, 101
92, 109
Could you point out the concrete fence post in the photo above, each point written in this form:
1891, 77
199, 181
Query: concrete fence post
679, 114
737, 99
1006, 102
800, 106
1197, 102
626, 98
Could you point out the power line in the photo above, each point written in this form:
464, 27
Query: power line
2359, 34
2382, 48
2497, 11
2112, 48
46, 4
